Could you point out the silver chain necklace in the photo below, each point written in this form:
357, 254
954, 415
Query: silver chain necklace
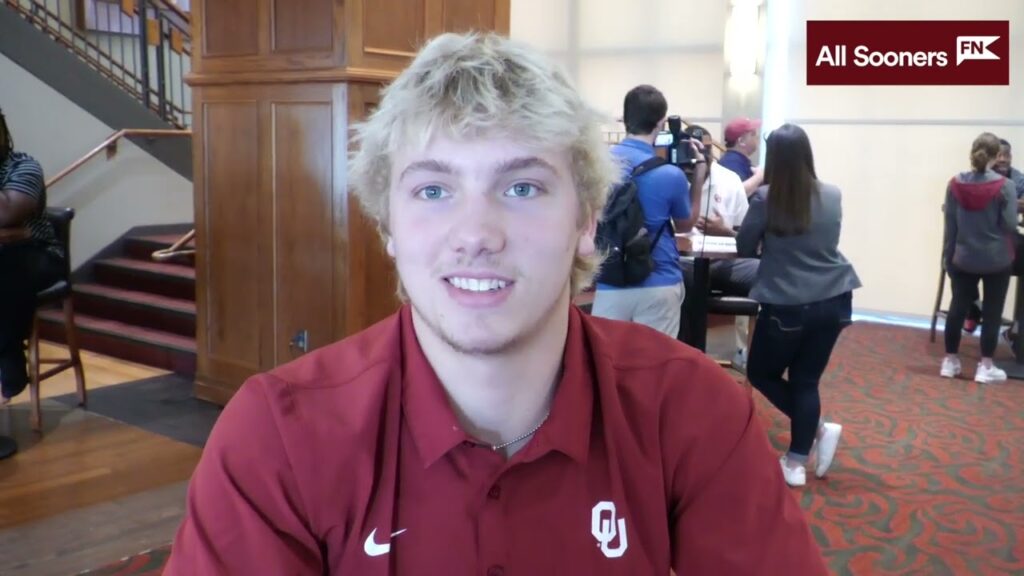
497, 447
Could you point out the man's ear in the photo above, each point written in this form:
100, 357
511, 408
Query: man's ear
586, 246
390, 246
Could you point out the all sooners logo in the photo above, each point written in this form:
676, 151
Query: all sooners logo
896, 52
606, 527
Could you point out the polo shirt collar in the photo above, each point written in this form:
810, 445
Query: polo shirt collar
743, 158
637, 144
436, 430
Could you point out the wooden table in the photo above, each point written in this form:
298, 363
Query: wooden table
700, 289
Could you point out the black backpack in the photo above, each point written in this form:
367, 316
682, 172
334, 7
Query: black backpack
622, 235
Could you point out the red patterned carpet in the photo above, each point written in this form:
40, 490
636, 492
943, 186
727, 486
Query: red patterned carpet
929, 478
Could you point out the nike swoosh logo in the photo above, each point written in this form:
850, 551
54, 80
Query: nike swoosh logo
373, 549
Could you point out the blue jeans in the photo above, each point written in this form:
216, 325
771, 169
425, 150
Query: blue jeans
798, 339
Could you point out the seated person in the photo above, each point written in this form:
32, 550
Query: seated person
742, 141
723, 205
26, 267
489, 426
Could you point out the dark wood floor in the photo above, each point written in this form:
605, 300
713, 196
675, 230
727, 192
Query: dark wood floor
88, 490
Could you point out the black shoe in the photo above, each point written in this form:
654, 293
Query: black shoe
13, 372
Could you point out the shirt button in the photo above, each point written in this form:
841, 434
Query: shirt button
495, 571
494, 493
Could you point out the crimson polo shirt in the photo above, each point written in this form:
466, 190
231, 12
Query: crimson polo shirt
350, 461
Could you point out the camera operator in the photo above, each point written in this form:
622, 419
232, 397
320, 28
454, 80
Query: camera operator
723, 206
667, 199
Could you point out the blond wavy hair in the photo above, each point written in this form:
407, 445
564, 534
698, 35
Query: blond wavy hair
474, 86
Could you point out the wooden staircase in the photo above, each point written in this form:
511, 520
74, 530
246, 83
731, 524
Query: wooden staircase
130, 307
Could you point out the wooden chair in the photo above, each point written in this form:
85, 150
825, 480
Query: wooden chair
721, 305
59, 293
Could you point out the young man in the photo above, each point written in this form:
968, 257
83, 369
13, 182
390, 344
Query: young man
1004, 166
665, 195
741, 142
26, 266
723, 206
489, 426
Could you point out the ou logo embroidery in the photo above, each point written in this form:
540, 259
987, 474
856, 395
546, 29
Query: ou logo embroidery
605, 527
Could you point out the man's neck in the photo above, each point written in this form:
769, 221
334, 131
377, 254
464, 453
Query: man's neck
498, 397
648, 138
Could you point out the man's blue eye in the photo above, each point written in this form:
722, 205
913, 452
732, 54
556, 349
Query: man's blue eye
522, 190
432, 193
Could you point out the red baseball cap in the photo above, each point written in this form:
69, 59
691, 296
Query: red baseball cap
739, 127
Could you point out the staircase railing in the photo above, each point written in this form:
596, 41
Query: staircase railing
142, 46
110, 146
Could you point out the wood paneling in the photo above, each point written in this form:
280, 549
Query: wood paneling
303, 209
392, 27
230, 329
302, 25
277, 35
229, 28
372, 280
464, 15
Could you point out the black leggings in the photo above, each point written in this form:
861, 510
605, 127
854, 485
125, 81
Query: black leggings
25, 270
965, 291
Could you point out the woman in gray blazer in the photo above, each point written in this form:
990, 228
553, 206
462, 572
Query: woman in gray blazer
804, 285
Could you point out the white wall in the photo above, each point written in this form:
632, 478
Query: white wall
132, 189
893, 148
610, 46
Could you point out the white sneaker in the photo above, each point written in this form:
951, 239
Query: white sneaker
989, 375
794, 476
826, 444
739, 361
950, 368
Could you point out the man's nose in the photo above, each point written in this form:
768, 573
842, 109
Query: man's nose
478, 226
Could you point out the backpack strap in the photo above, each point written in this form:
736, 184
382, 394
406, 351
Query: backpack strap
654, 241
647, 165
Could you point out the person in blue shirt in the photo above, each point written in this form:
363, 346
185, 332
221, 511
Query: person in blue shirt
741, 141
667, 198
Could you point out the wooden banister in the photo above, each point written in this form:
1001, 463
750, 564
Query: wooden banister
110, 145
176, 248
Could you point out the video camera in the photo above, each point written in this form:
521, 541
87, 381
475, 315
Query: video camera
677, 140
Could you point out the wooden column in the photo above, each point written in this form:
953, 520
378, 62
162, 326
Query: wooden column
283, 251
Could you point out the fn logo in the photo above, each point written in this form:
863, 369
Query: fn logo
974, 48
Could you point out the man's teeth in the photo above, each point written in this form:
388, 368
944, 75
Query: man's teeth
477, 284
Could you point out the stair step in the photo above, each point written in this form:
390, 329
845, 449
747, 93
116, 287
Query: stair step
170, 280
139, 308
120, 340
